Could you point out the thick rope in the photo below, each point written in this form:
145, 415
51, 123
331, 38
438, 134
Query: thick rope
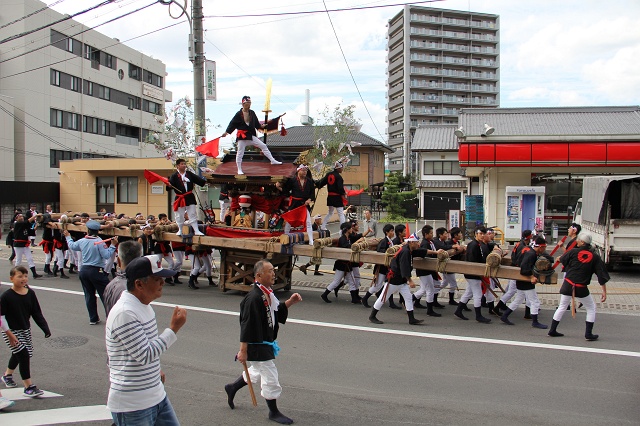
356, 248
443, 258
388, 255
318, 244
493, 264
133, 228
542, 269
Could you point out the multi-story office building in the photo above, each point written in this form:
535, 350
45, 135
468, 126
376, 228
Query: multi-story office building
438, 62
69, 92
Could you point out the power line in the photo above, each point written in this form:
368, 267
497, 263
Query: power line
350, 73
83, 31
31, 14
65, 18
310, 12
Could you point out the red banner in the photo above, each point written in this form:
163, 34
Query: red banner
210, 148
296, 217
154, 177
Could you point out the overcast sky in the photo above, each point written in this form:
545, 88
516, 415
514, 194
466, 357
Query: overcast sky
552, 52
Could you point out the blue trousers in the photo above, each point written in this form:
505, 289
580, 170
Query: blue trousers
93, 279
160, 415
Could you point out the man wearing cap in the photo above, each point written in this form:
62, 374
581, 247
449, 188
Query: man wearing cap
136, 394
246, 122
183, 181
527, 289
315, 226
335, 193
580, 263
399, 280
261, 314
93, 276
301, 191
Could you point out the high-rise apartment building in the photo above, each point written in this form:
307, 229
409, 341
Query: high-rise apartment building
68, 92
439, 61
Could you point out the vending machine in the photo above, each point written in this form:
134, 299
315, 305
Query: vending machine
525, 210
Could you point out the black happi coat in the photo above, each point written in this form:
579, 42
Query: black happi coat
176, 181
401, 266
298, 193
476, 252
335, 188
254, 324
580, 264
237, 122
426, 245
527, 262
383, 245
343, 265
21, 234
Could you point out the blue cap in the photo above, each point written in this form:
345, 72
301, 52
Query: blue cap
93, 225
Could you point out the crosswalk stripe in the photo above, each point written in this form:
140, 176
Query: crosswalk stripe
57, 416
16, 394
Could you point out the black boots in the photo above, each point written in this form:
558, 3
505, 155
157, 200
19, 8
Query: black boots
192, 282
35, 274
392, 304
588, 332
176, 279
276, 415
417, 304
335, 290
372, 317
47, 270
479, 316
355, 297
435, 302
324, 296
366, 297
452, 301
536, 324
527, 312
211, 283
493, 310
303, 268
62, 275
232, 388
552, 331
72, 268
500, 305
412, 319
430, 310
169, 281
55, 269
505, 317
458, 312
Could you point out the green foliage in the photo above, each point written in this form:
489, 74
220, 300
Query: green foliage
333, 137
393, 197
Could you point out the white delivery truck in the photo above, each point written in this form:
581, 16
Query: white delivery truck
610, 210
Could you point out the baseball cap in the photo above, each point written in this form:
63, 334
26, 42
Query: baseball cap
412, 237
246, 99
145, 266
93, 225
317, 217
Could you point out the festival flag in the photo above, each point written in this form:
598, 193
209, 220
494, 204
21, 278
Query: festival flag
407, 232
154, 177
210, 148
353, 192
296, 217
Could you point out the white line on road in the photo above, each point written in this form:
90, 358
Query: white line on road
16, 394
57, 416
395, 332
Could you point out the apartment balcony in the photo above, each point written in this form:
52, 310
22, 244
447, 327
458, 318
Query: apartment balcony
394, 90
396, 128
396, 51
457, 22
483, 75
395, 115
393, 41
396, 102
486, 63
395, 77
434, 111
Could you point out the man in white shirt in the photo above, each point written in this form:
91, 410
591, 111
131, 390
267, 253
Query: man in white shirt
136, 394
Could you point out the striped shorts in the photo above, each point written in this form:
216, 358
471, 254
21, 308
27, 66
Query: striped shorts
24, 339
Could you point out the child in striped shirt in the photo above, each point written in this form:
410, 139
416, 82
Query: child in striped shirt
18, 305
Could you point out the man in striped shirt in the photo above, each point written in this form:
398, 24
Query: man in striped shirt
136, 394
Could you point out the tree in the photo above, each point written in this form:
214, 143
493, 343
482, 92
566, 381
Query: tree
178, 140
333, 137
393, 197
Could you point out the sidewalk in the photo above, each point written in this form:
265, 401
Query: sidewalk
623, 296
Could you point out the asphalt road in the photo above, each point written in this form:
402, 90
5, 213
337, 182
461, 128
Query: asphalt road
336, 368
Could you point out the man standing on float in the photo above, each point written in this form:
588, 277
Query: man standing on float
182, 182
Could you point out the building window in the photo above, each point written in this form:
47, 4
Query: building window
90, 125
441, 168
90, 88
354, 160
70, 45
87, 51
55, 78
108, 60
135, 72
75, 84
105, 190
72, 121
128, 189
56, 118
104, 127
131, 103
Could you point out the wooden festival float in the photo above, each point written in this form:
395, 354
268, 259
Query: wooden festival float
242, 246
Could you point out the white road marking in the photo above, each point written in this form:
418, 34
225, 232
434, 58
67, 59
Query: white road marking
17, 393
57, 416
394, 332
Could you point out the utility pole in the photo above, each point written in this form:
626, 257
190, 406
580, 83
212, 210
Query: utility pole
199, 125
